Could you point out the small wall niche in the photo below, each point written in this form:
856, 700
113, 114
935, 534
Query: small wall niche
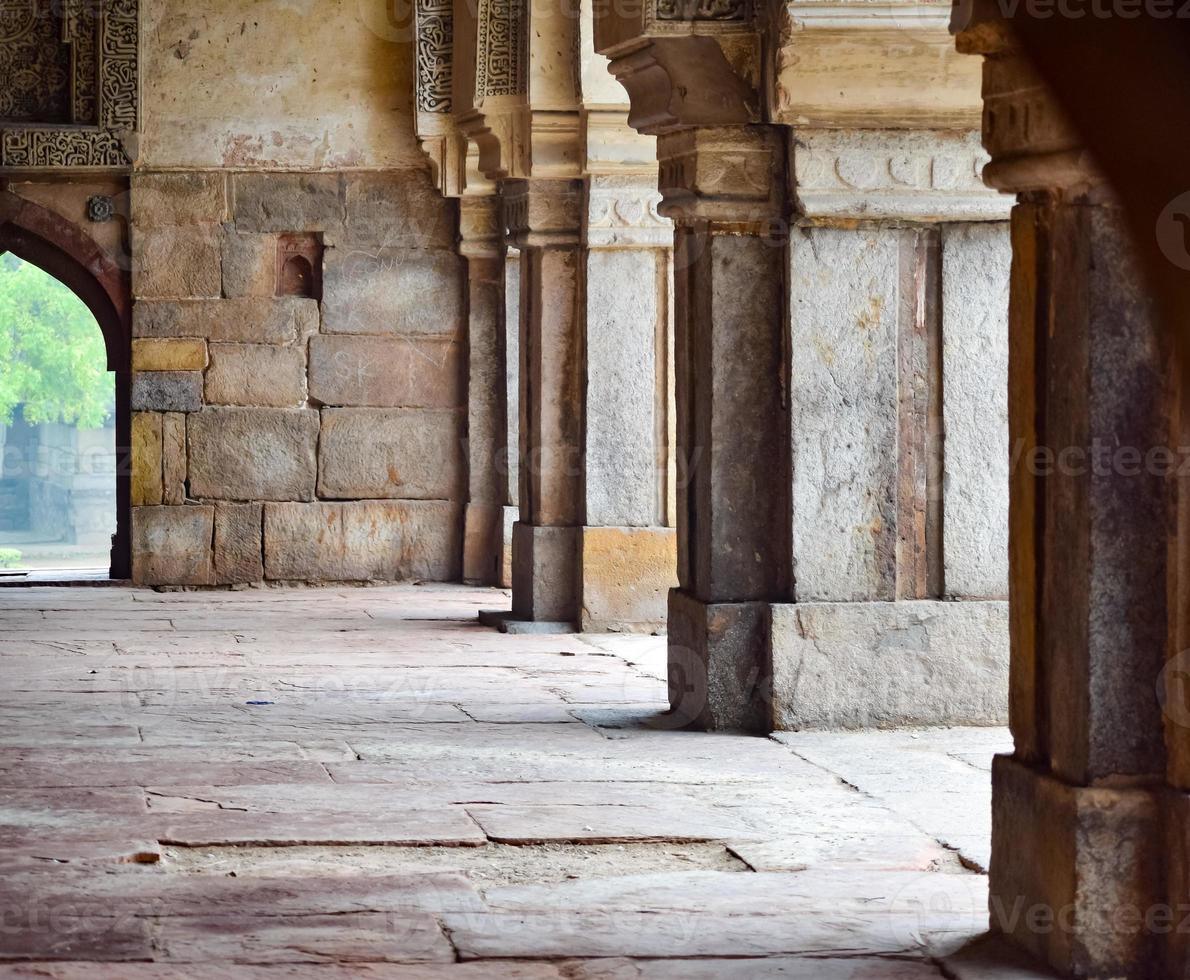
299, 265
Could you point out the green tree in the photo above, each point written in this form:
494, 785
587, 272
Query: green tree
52, 355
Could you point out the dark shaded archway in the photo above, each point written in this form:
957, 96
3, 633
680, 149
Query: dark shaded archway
57, 246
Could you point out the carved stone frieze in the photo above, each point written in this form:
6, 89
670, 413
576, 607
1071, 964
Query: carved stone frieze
623, 212
86, 111
731, 175
435, 37
880, 174
500, 49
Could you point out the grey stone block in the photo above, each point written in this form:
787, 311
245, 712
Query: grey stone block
384, 372
249, 263
382, 540
545, 573
165, 199
252, 453
250, 320
368, 453
238, 554
256, 374
884, 664
392, 291
400, 209
167, 391
172, 545
843, 395
275, 202
975, 266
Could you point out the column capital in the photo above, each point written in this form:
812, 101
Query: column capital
1032, 145
481, 227
907, 175
732, 175
542, 213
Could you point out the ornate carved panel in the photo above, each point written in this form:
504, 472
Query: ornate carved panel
69, 96
708, 16
500, 49
435, 36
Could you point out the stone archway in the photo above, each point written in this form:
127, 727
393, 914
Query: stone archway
63, 250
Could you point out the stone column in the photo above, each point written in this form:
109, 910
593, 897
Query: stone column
488, 511
627, 558
1078, 859
725, 191
543, 218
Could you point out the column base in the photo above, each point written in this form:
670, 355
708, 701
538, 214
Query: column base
544, 587
487, 544
625, 574
1076, 873
889, 664
719, 677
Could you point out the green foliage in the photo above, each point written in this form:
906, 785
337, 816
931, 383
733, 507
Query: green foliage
9, 557
52, 355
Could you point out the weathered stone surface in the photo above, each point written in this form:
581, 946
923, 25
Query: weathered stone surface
623, 401
400, 209
626, 575
176, 262
173, 458
975, 267
256, 374
249, 263
167, 391
717, 652
392, 291
545, 573
412, 454
1095, 875
169, 355
252, 453
172, 545
843, 312
362, 541
386, 372
253, 320
238, 555
882, 664
274, 202
164, 199
146, 459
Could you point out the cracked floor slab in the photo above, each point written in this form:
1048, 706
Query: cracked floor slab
329, 783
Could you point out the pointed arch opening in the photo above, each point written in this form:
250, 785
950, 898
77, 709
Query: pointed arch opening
36, 241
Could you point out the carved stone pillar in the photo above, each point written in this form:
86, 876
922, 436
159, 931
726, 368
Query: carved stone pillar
488, 508
627, 560
544, 219
725, 189
1077, 807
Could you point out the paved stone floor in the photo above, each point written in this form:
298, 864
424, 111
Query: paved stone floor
365, 783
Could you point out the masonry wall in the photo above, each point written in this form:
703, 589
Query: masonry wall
299, 383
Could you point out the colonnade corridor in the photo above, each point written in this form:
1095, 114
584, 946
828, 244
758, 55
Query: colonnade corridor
364, 782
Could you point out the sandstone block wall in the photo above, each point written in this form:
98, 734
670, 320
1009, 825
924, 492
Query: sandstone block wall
296, 419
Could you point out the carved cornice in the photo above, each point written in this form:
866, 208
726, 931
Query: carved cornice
1031, 143
543, 213
732, 176
104, 94
622, 212
893, 174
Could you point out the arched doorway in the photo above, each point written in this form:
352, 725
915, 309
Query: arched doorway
48, 241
